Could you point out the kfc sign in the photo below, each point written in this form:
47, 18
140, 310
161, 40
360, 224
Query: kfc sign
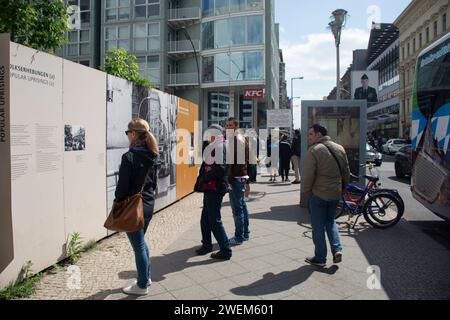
254, 93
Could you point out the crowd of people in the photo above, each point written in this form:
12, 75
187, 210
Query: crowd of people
326, 172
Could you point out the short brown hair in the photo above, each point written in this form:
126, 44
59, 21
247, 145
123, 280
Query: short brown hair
234, 120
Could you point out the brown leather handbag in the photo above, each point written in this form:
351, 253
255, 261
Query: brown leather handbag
127, 215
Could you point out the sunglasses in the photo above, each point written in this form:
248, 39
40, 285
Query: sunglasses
127, 132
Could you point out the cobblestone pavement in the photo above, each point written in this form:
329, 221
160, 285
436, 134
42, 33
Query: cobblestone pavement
269, 266
110, 265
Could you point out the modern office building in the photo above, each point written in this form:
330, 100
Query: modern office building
232, 43
420, 24
285, 102
383, 56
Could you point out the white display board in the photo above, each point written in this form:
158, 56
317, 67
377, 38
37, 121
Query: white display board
279, 118
48, 192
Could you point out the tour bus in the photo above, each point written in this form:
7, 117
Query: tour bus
430, 134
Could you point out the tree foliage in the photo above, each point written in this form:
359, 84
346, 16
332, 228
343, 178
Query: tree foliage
40, 24
121, 64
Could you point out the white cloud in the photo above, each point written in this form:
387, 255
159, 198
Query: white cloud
315, 56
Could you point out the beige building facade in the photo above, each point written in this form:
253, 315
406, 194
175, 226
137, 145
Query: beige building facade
420, 24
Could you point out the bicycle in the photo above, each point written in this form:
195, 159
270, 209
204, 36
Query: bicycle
382, 208
374, 184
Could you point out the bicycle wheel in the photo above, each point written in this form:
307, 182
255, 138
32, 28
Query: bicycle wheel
382, 210
394, 193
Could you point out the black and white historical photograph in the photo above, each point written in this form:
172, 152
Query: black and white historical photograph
74, 138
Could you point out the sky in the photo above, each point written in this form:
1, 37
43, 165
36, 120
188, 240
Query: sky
308, 46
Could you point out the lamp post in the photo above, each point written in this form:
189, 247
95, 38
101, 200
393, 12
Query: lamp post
186, 33
340, 17
292, 99
292, 89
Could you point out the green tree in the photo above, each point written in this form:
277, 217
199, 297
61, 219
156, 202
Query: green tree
121, 64
40, 24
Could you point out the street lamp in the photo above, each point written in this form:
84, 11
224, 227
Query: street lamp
292, 99
340, 17
186, 33
292, 89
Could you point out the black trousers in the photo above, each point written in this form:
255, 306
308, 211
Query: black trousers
284, 168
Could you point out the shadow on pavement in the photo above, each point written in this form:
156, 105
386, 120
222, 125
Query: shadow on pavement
280, 213
401, 180
161, 265
102, 295
412, 266
284, 281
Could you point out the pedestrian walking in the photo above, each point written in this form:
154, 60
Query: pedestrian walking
296, 152
139, 168
285, 158
237, 178
212, 182
273, 159
326, 173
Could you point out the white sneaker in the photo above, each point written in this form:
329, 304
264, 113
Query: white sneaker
149, 282
135, 290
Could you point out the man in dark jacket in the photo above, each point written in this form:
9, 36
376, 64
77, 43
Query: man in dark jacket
212, 182
285, 158
237, 178
296, 151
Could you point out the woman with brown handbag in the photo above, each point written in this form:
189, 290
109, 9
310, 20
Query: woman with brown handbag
138, 172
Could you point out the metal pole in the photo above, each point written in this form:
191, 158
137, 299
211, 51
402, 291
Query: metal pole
198, 69
338, 78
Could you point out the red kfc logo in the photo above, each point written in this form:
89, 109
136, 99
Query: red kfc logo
254, 93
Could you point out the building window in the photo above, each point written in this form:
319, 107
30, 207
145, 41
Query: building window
221, 7
408, 49
444, 22
149, 67
85, 9
233, 32
428, 35
147, 37
403, 53
146, 8
218, 108
235, 66
117, 10
420, 40
117, 37
208, 69
79, 43
245, 113
414, 45
435, 28
208, 35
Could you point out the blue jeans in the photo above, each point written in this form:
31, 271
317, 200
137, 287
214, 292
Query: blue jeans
240, 212
322, 219
252, 172
141, 254
211, 221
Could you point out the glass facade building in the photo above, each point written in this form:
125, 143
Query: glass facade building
235, 43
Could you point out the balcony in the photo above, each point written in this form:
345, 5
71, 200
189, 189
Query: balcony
183, 80
182, 49
184, 17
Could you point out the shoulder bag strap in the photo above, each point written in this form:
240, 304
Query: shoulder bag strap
146, 176
337, 161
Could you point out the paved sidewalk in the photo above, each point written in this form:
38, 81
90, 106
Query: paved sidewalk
269, 266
